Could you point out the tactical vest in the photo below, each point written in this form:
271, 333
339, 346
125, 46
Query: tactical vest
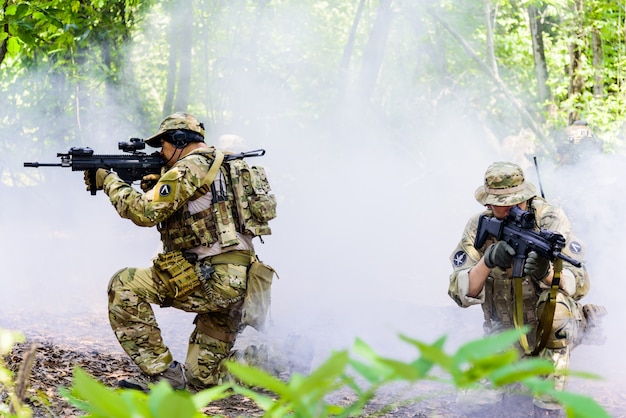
498, 308
183, 230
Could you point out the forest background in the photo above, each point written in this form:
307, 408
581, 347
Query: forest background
378, 117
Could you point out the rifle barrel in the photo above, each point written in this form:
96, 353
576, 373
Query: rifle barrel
569, 260
36, 164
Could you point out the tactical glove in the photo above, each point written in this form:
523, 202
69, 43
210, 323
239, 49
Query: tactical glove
499, 254
95, 182
149, 181
536, 267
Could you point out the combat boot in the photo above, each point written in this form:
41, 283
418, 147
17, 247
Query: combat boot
174, 375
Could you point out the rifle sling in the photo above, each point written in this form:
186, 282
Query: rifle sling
212, 173
518, 313
544, 327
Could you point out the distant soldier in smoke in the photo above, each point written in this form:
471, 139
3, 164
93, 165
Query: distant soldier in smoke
576, 140
205, 266
483, 276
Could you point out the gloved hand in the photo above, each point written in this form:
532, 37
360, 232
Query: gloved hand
148, 181
536, 267
499, 254
101, 173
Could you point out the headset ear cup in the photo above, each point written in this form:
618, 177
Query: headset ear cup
179, 139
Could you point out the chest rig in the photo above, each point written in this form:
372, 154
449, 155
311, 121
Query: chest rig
499, 305
184, 230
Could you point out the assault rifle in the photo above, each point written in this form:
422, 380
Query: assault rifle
517, 230
130, 167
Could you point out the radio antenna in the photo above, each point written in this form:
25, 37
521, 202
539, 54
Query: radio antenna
538, 176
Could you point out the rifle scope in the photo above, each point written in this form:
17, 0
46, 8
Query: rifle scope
134, 144
523, 218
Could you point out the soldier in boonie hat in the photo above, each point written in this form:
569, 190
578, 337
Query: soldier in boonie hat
192, 129
483, 275
504, 186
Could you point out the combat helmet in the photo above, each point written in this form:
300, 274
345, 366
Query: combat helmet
504, 186
191, 130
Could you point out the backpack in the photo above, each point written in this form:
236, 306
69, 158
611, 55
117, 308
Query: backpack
255, 205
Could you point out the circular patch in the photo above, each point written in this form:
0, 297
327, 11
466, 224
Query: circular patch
165, 190
459, 258
575, 247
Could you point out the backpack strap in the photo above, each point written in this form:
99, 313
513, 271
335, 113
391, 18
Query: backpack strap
212, 173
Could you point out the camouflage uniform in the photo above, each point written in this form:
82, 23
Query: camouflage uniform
182, 276
505, 186
577, 139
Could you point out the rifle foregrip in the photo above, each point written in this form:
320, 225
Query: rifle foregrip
92, 182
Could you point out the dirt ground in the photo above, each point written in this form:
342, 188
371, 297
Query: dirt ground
59, 351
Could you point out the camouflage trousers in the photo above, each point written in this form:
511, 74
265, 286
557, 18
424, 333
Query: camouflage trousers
132, 291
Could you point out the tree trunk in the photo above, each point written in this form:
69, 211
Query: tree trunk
347, 51
490, 48
179, 60
185, 41
541, 69
577, 82
375, 49
170, 92
596, 47
3, 44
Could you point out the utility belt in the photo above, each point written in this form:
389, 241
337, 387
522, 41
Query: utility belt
239, 257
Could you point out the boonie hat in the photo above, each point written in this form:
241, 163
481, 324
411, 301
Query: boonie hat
178, 120
504, 186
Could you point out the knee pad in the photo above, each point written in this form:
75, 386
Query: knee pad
564, 323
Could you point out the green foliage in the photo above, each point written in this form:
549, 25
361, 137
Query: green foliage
304, 396
101, 401
364, 372
303, 62
493, 359
7, 385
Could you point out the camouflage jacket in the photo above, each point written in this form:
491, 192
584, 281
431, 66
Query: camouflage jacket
175, 196
574, 280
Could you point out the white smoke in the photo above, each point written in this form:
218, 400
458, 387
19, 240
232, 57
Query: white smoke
367, 218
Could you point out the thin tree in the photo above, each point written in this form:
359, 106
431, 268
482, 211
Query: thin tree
598, 58
577, 82
539, 55
375, 49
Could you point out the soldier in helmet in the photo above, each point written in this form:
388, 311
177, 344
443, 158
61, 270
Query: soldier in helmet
483, 276
577, 139
196, 272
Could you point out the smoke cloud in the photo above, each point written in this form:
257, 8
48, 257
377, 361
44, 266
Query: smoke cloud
368, 215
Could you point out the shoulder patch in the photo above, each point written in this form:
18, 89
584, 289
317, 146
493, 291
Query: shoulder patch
575, 247
459, 258
165, 190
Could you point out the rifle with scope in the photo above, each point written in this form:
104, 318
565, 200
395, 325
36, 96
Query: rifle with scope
130, 167
517, 229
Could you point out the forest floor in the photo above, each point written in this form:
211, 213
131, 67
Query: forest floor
100, 356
